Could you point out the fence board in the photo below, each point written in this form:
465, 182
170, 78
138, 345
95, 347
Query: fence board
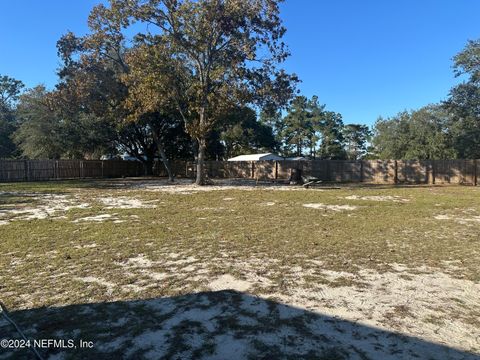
38, 170
368, 171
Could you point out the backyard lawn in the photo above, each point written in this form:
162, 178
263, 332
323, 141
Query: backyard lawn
147, 269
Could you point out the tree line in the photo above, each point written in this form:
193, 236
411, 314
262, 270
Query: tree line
170, 79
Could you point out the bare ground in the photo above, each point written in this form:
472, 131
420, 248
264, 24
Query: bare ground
146, 269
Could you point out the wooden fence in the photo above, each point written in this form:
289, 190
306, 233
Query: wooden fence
36, 170
368, 171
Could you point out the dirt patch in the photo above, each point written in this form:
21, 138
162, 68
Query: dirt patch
460, 220
378, 298
397, 199
49, 206
187, 187
337, 208
268, 203
102, 282
228, 282
123, 202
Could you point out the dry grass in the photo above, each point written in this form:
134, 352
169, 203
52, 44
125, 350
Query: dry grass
158, 244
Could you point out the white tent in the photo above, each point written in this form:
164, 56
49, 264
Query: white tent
256, 157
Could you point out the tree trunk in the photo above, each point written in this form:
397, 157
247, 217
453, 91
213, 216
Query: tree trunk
202, 146
148, 166
163, 156
195, 149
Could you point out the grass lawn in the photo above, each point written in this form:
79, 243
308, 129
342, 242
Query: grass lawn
145, 269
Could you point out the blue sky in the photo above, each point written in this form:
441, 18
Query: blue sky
363, 58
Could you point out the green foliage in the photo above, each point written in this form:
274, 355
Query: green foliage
243, 134
9, 91
468, 61
331, 136
419, 134
219, 55
102, 78
46, 132
7, 128
299, 127
308, 126
464, 107
39, 134
464, 103
356, 140
451, 130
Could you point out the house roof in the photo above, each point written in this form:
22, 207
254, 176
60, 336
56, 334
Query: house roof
296, 158
256, 157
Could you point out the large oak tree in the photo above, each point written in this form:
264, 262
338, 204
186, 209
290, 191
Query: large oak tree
225, 54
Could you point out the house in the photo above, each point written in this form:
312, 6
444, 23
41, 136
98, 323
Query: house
256, 157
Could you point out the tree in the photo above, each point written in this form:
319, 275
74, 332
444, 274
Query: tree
464, 103
429, 135
416, 135
301, 127
298, 126
9, 92
229, 49
147, 80
467, 61
46, 132
272, 118
331, 136
96, 79
356, 140
391, 136
242, 133
464, 125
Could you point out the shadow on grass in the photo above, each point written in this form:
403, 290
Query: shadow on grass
211, 325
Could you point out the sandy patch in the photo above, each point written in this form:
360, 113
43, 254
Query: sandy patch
395, 198
331, 207
50, 205
185, 261
186, 186
155, 275
89, 246
123, 202
400, 301
140, 261
95, 280
460, 220
140, 264
228, 282
422, 302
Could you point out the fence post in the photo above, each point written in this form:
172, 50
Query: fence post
475, 167
361, 170
55, 170
25, 168
434, 170
80, 169
276, 169
253, 169
395, 176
